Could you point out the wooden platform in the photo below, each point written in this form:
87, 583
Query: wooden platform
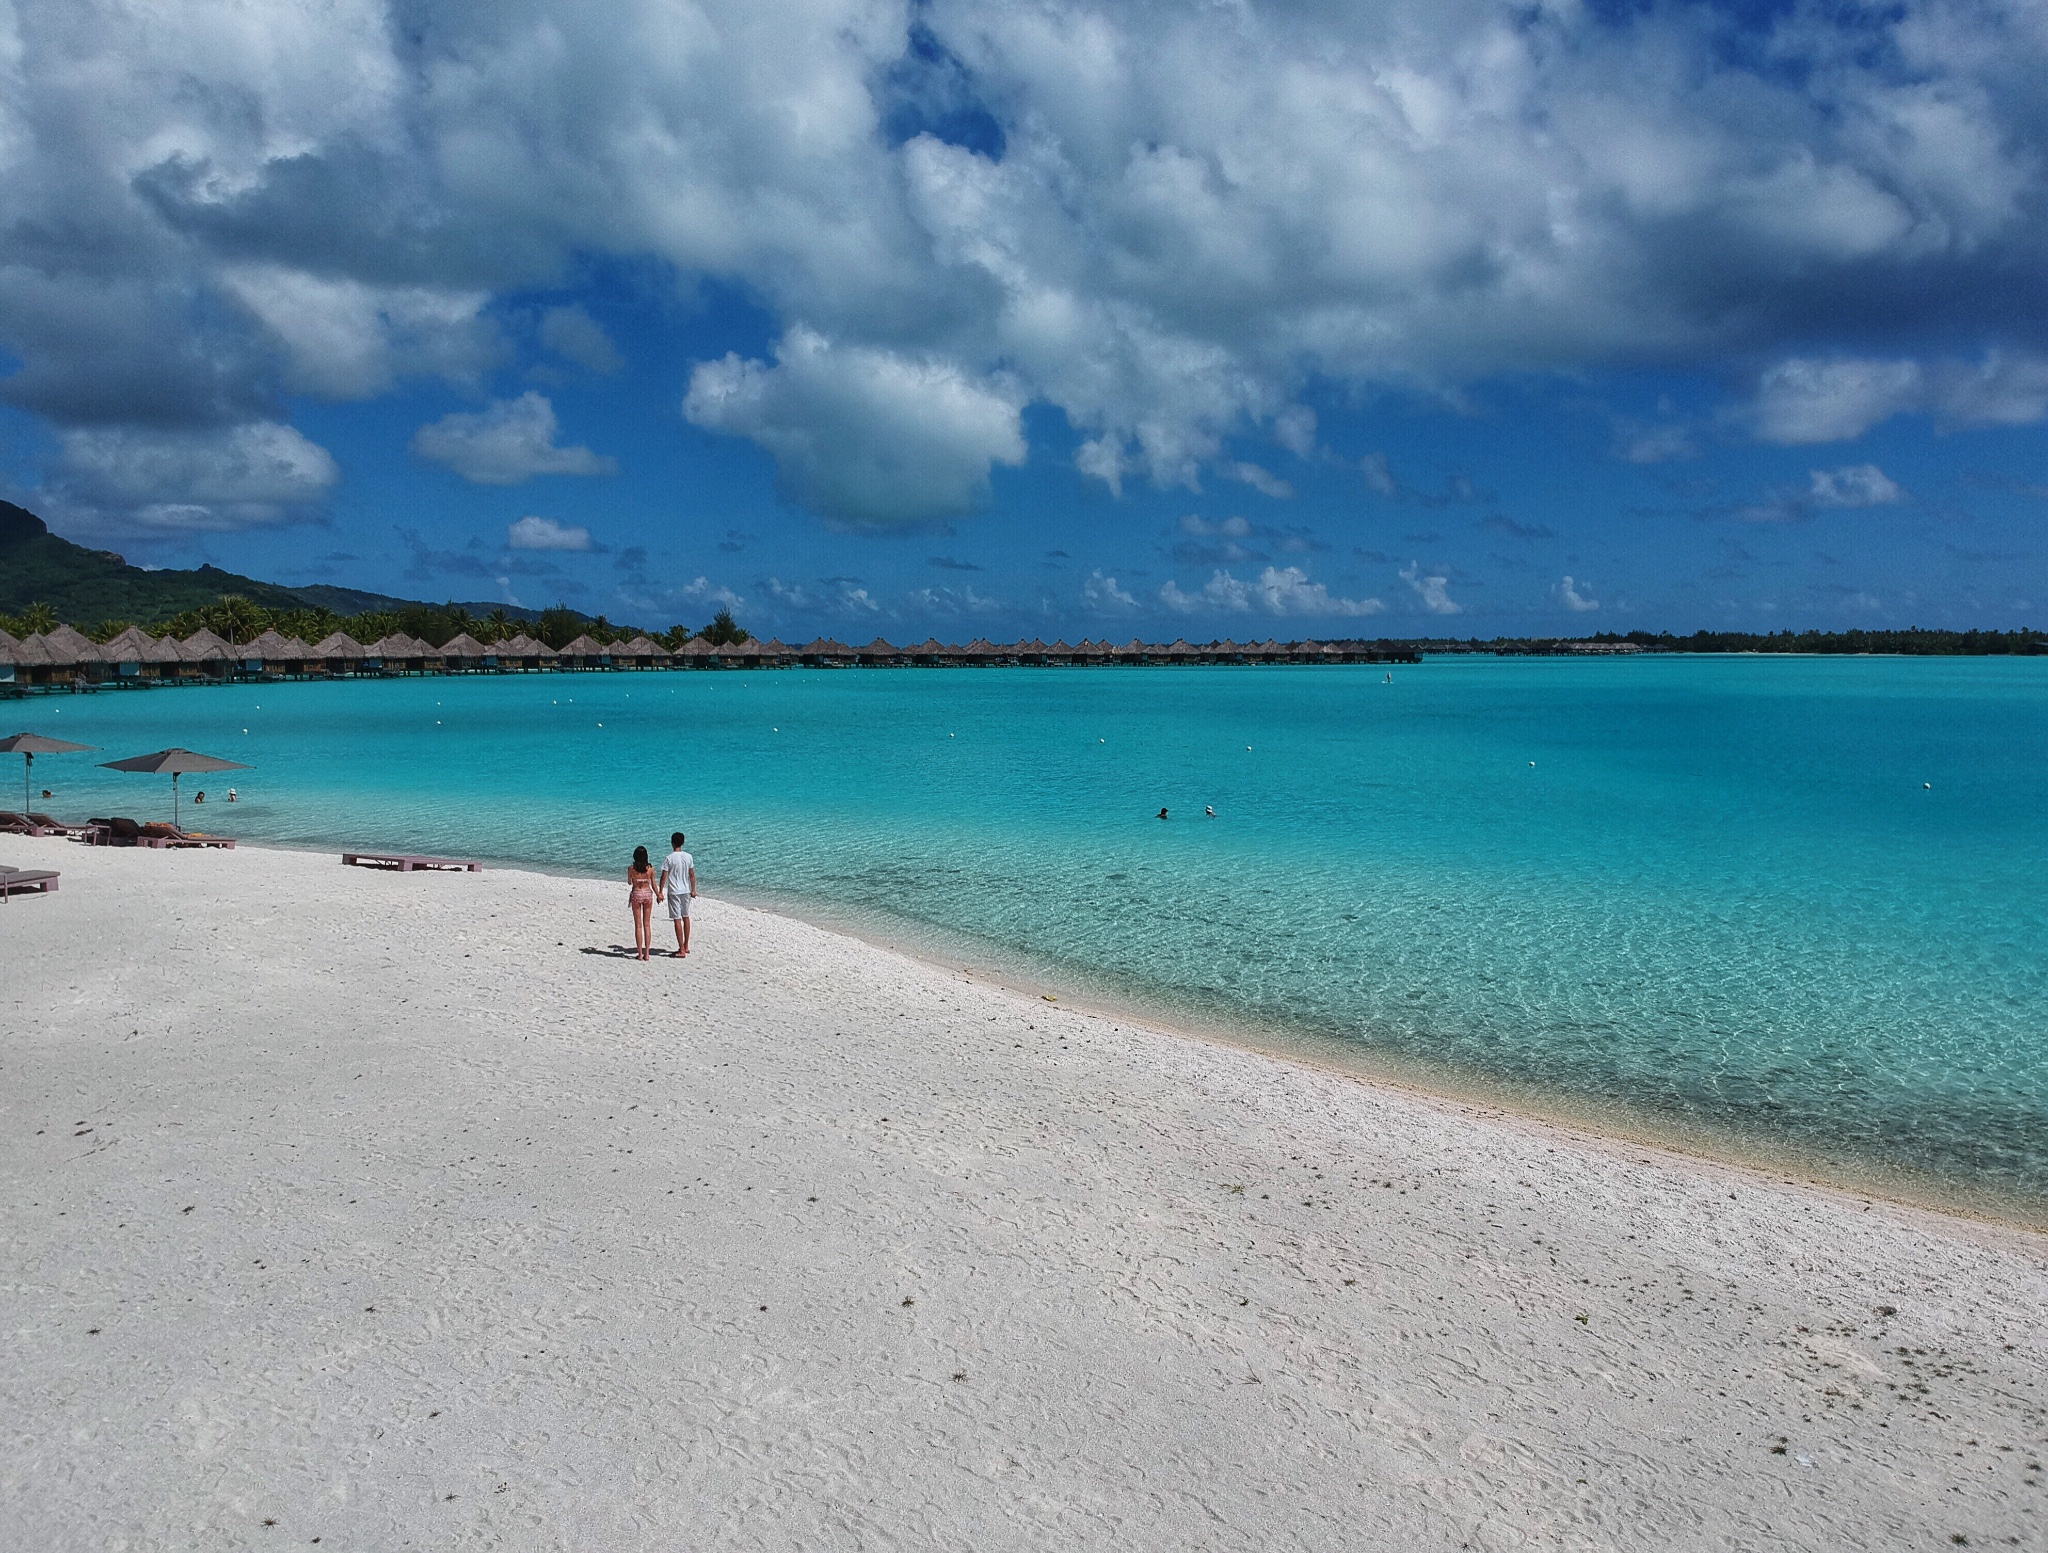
405, 863
26, 881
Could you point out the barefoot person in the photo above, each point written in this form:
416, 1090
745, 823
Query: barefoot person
679, 885
640, 896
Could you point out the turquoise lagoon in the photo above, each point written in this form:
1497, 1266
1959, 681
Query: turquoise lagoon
1788, 908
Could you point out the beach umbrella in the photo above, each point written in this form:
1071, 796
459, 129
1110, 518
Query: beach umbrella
175, 762
31, 745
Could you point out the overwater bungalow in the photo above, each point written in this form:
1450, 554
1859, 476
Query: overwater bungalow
524, 653
584, 653
463, 653
641, 652
337, 653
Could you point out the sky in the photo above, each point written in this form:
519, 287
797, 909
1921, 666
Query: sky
1424, 317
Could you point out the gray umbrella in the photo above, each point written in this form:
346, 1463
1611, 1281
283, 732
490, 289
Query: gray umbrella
174, 761
31, 745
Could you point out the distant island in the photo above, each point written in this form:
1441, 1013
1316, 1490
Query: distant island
47, 582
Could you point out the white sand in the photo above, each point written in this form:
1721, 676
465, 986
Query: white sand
376, 1207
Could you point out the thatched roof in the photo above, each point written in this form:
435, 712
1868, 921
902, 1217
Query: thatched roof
463, 645
585, 646
66, 646
31, 652
825, 647
524, 646
640, 646
879, 648
338, 644
136, 645
202, 646
775, 647
273, 644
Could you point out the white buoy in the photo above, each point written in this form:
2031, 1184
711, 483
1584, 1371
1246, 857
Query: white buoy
1532, 762
1928, 786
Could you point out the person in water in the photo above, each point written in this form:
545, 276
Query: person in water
640, 896
678, 884
1162, 814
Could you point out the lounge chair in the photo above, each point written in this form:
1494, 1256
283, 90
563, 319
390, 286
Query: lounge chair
162, 833
120, 832
20, 824
26, 881
57, 827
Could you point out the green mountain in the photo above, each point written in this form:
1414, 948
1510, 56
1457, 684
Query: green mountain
86, 586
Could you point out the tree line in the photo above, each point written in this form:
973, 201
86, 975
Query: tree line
238, 620
1916, 642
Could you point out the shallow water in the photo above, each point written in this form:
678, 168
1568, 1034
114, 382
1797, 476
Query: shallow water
1710, 895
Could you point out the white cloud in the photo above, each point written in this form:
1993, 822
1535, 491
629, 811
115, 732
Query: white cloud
1802, 401
702, 590
1853, 485
1808, 401
1278, 590
1264, 481
1568, 593
510, 441
1102, 596
1379, 475
344, 339
118, 478
575, 336
954, 602
533, 533
1201, 527
1197, 214
865, 437
1432, 592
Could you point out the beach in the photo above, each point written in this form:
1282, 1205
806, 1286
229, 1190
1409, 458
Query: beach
382, 1210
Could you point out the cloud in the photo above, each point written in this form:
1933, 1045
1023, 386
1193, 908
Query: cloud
114, 478
867, 438
1264, 481
946, 563
953, 602
1568, 594
1853, 485
1801, 400
701, 590
509, 442
1101, 595
575, 336
350, 339
1166, 225
535, 533
1278, 590
1432, 592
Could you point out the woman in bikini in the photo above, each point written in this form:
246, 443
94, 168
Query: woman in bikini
640, 896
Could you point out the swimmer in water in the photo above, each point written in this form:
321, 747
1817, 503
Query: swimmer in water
1210, 810
1162, 814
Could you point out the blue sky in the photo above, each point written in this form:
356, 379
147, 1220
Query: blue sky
1057, 319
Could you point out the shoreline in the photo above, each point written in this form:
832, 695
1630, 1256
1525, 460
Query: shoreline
1593, 1121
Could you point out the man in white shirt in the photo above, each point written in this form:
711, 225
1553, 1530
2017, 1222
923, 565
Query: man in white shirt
678, 883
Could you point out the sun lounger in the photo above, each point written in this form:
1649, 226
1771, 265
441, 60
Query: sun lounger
120, 832
26, 881
20, 824
57, 827
406, 863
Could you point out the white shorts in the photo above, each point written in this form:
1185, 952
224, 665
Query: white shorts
679, 908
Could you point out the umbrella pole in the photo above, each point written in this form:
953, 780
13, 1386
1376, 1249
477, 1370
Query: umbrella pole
174, 800
28, 766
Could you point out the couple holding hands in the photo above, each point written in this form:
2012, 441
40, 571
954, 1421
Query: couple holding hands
676, 882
